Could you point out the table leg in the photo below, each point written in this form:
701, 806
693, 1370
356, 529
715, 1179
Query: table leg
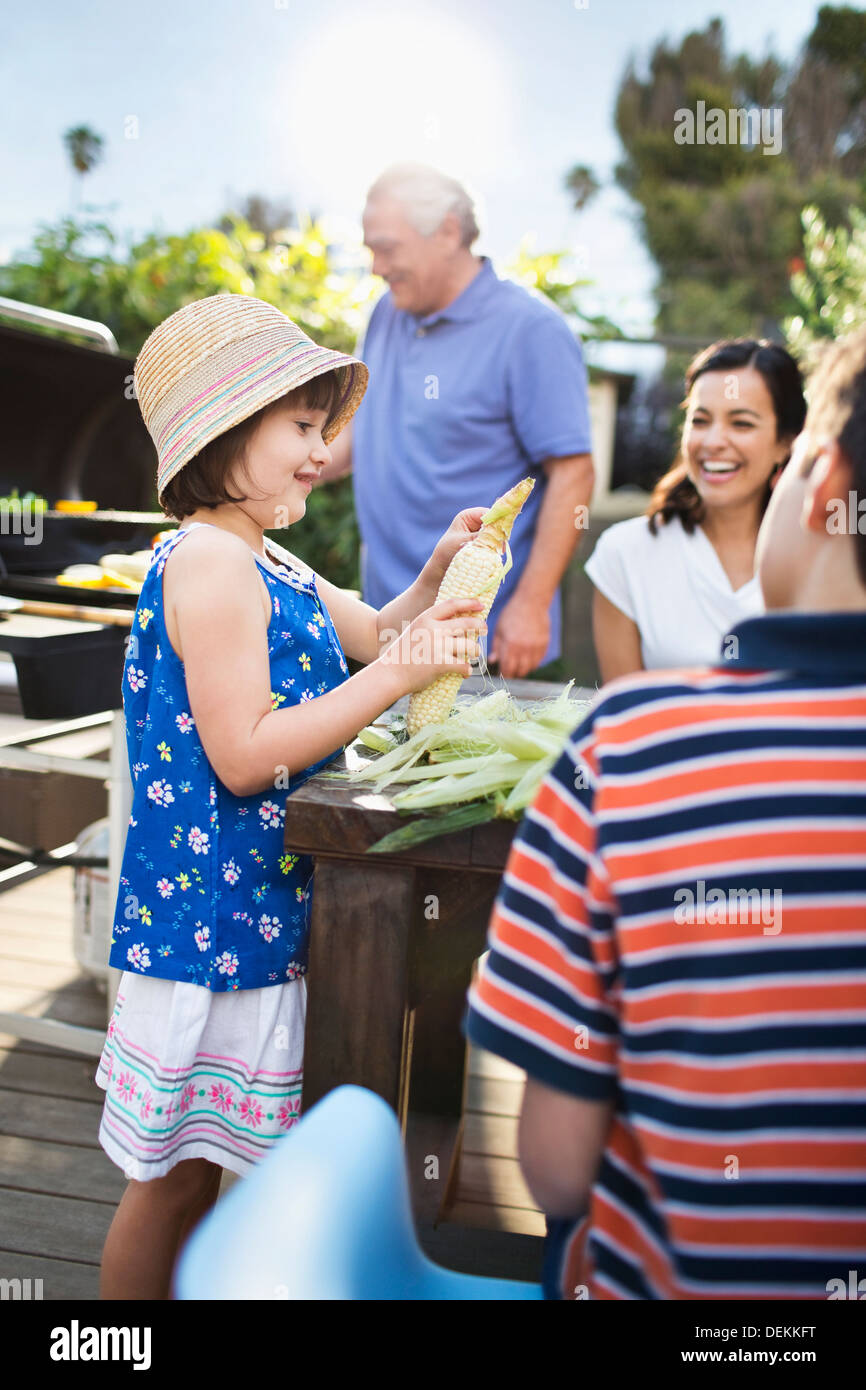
439, 1051
445, 944
359, 1025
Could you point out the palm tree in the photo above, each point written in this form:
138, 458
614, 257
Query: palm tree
582, 184
84, 148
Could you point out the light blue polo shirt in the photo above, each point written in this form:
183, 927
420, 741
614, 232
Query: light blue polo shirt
462, 404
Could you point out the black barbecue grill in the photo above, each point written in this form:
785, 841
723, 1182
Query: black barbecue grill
70, 428
30, 571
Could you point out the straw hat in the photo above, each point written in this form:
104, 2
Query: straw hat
217, 361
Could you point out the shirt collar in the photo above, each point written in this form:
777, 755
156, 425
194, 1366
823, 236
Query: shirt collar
468, 301
823, 643
282, 563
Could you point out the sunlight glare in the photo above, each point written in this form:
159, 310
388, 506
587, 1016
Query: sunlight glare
363, 94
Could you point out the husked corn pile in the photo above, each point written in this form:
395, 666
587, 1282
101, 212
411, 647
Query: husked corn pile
486, 760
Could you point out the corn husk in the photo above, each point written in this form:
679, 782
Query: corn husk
486, 761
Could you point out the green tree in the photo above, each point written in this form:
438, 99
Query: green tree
263, 215
722, 220
582, 184
82, 268
830, 286
85, 150
552, 274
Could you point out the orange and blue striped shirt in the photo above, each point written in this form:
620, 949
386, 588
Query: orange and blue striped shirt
681, 929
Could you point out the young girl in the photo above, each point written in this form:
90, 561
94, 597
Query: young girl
236, 690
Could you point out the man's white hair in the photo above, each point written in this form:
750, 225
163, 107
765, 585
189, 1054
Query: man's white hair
427, 195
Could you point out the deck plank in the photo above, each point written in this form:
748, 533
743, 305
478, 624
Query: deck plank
8, 1041
495, 1135
61, 1279
78, 1002
487, 1216
62, 1170
55, 924
54, 899
483, 1063
34, 946
48, 1073
492, 1180
42, 975
50, 1117
63, 1228
493, 1096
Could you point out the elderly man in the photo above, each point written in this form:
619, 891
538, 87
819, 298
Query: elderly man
474, 383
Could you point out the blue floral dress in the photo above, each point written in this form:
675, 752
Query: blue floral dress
204, 1052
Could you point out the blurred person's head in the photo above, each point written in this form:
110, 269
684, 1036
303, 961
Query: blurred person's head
259, 465
744, 408
811, 551
420, 225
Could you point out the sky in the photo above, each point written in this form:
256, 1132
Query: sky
202, 102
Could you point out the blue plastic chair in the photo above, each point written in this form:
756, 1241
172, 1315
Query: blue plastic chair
326, 1215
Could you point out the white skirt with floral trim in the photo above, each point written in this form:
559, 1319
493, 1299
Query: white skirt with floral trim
192, 1074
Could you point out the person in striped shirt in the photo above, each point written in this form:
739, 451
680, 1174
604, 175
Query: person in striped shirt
677, 952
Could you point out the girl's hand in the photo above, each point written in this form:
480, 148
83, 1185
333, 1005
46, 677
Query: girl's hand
465, 525
439, 640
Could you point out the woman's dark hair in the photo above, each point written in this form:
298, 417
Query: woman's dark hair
202, 481
675, 494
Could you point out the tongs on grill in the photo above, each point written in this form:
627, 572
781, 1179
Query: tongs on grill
73, 612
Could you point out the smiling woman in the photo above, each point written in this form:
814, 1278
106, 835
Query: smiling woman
420, 87
671, 584
744, 408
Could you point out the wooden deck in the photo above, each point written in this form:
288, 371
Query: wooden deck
58, 1189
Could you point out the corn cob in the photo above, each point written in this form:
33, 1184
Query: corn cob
476, 571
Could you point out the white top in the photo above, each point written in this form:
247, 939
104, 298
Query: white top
674, 587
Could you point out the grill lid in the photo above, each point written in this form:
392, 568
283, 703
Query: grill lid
71, 427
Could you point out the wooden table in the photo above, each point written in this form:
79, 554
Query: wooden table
393, 938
